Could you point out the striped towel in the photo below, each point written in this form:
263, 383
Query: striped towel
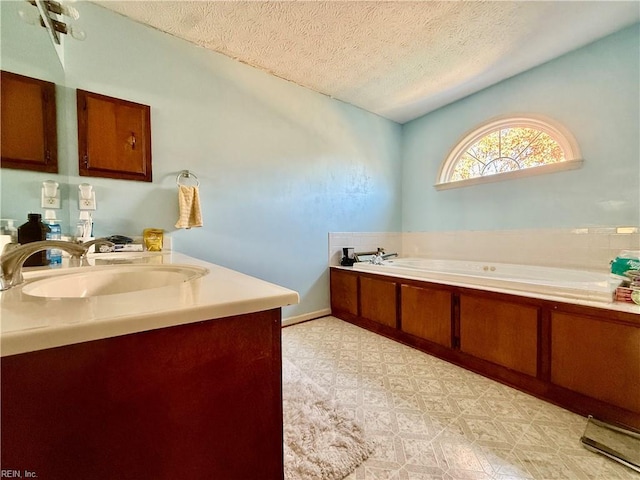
189, 204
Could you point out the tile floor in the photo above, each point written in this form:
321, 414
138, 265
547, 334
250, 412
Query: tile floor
433, 420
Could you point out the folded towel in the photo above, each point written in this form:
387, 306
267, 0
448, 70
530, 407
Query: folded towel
189, 204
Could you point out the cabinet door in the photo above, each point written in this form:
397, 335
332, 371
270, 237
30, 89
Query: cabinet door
28, 117
597, 358
500, 332
114, 137
426, 313
344, 292
378, 301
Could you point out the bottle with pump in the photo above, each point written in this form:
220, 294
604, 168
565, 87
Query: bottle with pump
8, 233
33, 231
54, 255
8, 229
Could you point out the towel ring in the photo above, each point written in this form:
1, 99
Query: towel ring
187, 174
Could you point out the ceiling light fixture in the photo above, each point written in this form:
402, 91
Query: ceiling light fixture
50, 15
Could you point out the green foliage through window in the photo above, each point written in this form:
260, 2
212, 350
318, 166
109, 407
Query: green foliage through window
507, 150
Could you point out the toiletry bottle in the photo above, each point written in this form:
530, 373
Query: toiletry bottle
54, 255
9, 229
32, 231
8, 234
84, 228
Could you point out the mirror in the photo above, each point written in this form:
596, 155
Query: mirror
28, 50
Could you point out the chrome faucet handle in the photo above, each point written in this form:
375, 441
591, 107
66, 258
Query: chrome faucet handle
9, 246
11, 262
97, 242
88, 244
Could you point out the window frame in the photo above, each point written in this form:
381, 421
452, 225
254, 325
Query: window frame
564, 138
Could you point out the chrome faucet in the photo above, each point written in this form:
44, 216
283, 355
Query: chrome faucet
11, 261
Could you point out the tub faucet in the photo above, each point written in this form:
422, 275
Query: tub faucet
377, 259
11, 261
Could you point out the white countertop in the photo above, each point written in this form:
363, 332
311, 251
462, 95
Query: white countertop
34, 323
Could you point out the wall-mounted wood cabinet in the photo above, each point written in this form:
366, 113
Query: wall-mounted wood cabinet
28, 123
584, 358
114, 137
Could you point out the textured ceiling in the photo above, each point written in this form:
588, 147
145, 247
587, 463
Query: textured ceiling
394, 58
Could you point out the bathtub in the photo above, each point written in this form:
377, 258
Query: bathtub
574, 284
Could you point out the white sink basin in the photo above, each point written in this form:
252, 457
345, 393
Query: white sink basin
111, 280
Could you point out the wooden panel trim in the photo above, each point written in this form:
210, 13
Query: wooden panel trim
505, 333
337, 301
359, 290
544, 345
455, 321
376, 307
596, 312
426, 313
398, 306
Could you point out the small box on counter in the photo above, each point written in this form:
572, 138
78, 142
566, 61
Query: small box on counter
623, 294
128, 247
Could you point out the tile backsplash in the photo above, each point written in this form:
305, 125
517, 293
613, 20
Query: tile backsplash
590, 248
363, 242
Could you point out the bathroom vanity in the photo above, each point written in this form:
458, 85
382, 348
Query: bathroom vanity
180, 381
582, 355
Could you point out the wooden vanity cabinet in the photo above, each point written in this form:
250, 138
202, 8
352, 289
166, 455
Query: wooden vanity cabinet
114, 137
427, 313
28, 123
201, 400
583, 358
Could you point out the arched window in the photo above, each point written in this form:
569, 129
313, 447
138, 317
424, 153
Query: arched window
509, 148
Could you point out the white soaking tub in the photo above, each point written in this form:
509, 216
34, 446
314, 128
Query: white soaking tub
575, 284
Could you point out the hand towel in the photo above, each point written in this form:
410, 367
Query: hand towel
189, 204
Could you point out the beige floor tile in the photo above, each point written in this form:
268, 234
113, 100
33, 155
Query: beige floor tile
433, 420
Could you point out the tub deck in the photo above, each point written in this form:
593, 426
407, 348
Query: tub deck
566, 283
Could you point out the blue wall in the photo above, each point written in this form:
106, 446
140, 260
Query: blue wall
593, 92
279, 166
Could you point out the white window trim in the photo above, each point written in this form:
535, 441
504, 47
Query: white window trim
573, 158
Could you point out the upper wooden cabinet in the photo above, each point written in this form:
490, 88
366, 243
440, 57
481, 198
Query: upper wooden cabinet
28, 117
114, 137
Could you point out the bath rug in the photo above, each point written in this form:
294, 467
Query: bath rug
321, 442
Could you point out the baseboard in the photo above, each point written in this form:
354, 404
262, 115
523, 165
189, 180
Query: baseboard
306, 316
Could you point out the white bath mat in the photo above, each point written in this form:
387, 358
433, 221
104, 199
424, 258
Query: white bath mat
320, 441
